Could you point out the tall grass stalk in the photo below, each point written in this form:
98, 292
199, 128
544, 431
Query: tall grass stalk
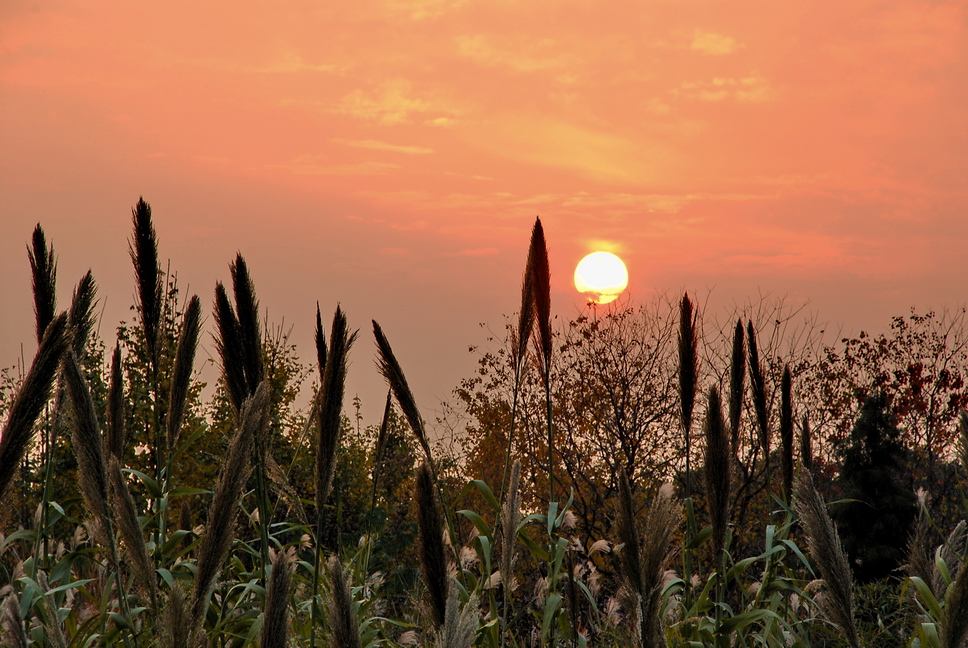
275, 626
378, 452
143, 250
220, 524
519, 352
43, 271
541, 295
92, 469
178, 395
786, 432
30, 400
688, 377
331, 394
758, 388
737, 377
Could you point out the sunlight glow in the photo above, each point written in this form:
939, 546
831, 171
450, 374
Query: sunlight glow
602, 276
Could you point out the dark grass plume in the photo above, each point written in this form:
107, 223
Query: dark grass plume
34, 393
806, 443
717, 469
433, 559
81, 315
786, 431
541, 292
344, 625
320, 345
526, 314
688, 347
381, 446
115, 440
43, 272
247, 312
540, 271
181, 377
391, 371
827, 554
331, 407
229, 345
758, 388
275, 624
220, 524
86, 441
144, 255
185, 519
130, 531
737, 378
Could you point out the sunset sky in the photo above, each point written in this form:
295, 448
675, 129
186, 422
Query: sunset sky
392, 155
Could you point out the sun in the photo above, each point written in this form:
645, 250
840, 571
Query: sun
602, 276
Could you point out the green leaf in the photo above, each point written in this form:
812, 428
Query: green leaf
486, 491
482, 527
552, 603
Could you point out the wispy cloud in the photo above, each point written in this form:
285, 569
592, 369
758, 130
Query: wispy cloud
478, 252
393, 102
423, 9
713, 43
378, 145
313, 164
747, 89
517, 55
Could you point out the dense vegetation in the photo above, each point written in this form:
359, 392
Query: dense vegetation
638, 477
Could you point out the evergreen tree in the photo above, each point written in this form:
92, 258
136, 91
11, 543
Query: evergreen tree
875, 521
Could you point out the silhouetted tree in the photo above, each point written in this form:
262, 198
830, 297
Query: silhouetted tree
875, 522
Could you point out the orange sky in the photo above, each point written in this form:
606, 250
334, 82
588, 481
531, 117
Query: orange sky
393, 154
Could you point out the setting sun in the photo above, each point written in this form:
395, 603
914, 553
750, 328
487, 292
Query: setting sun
602, 276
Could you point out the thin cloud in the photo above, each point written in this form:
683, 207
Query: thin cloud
526, 56
713, 43
378, 145
747, 89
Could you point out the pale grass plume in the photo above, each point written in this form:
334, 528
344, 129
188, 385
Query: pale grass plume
343, 621
510, 517
460, 622
275, 624
827, 553
14, 633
